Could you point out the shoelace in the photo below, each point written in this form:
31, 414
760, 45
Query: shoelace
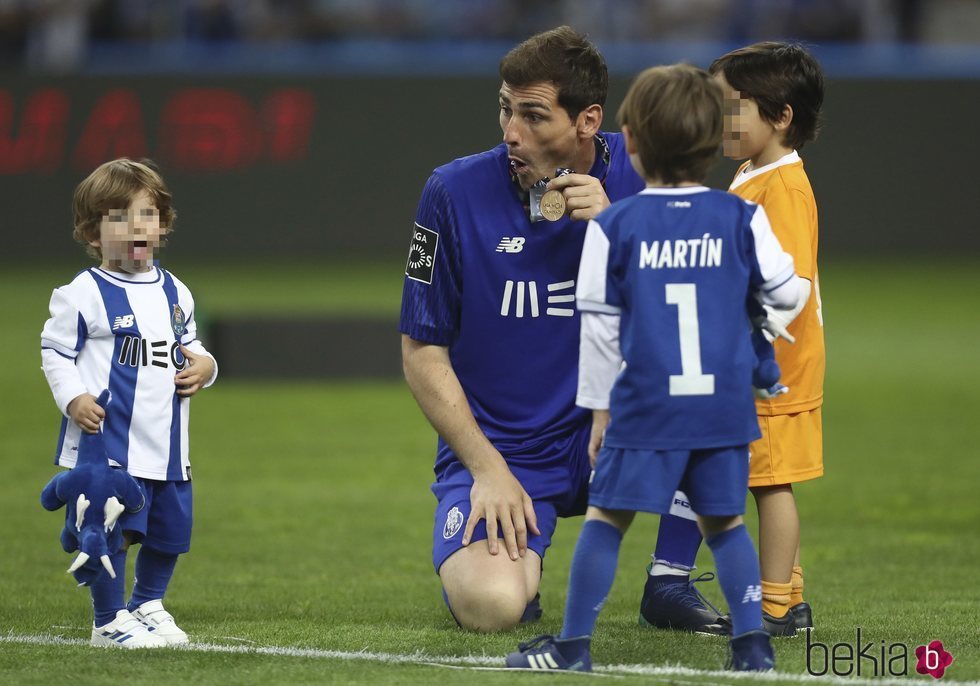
706, 576
687, 594
535, 643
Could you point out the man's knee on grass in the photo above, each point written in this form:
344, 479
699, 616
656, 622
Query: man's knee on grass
492, 606
488, 592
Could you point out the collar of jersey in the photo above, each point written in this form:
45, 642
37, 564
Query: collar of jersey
151, 276
743, 176
686, 190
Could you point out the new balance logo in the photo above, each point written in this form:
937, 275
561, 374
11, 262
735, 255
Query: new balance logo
542, 661
508, 244
524, 297
753, 594
123, 322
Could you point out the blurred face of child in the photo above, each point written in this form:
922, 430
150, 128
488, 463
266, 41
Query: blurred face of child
539, 134
130, 236
747, 134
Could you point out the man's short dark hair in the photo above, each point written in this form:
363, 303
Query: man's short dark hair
564, 57
774, 75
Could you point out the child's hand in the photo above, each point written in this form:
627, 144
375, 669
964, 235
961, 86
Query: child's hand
774, 325
197, 372
87, 413
773, 391
600, 420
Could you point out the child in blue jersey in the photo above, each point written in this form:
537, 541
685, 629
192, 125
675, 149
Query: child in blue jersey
128, 326
663, 285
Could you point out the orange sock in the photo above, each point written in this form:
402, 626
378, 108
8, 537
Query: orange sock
796, 595
775, 598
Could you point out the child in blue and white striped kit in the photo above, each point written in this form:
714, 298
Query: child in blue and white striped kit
128, 326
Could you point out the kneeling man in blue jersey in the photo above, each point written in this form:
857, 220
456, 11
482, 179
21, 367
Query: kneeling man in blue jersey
663, 285
128, 326
490, 339
490, 329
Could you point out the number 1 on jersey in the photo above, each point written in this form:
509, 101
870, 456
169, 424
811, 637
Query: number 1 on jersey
691, 380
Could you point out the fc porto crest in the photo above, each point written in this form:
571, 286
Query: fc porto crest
454, 522
177, 321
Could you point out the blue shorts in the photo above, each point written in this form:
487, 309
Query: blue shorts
164, 523
558, 490
716, 481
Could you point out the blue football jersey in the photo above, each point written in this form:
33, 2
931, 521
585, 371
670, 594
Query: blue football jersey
499, 292
678, 264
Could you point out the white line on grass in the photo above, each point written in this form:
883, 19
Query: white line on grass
498, 668
482, 662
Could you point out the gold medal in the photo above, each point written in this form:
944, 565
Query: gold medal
553, 205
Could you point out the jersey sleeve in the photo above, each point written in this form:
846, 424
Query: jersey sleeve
790, 213
596, 296
189, 338
190, 326
432, 292
600, 360
66, 330
62, 338
593, 290
773, 266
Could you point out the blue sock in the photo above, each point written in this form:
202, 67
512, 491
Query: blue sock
108, 594
738, 576
678, 540
153, 572
592, 575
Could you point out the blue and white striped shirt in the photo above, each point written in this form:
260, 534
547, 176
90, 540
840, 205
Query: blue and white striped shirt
121, 332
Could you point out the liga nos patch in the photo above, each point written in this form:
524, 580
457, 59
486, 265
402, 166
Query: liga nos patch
422, 254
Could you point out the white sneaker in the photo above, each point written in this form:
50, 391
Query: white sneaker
125, 631
160, 622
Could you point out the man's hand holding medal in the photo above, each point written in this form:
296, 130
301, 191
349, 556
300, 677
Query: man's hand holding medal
580, 196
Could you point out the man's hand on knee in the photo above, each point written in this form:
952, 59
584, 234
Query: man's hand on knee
498, 496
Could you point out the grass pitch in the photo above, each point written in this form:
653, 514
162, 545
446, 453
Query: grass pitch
310, 558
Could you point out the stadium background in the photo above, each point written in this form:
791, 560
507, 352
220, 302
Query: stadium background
296, 137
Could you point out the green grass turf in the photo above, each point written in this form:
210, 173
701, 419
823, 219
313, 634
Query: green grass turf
313, 516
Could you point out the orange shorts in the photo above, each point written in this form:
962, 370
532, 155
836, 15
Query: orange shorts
790, 450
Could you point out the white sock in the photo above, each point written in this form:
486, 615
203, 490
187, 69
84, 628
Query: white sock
662, 569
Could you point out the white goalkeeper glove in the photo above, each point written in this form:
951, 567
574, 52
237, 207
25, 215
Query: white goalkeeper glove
776, 389
774, 324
